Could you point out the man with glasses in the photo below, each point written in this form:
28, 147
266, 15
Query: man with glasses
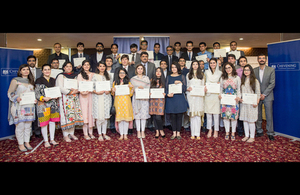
170, 57
97, 57
189, 55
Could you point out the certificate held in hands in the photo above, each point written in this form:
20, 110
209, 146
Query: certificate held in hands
175, 88
102, 86
249, 98
157, 93
52, 92
122, 90
70, 83
213, 88
142, 93
27, 98
228, 99
86, 86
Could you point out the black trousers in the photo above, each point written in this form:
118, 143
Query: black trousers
158, 121
176, 121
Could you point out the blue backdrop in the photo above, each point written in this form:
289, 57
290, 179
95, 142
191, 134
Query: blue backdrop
284, 57
10, 60
163, 41
125, 42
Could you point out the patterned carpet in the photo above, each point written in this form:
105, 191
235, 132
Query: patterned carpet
157, 150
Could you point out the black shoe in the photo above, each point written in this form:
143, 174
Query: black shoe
271, 137
169, 127
152, 129
259, 134
130, 131
187, 129
113, 130
38, 136
240, 134
203, 129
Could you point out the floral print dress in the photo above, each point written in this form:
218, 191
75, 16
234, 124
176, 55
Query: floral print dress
230, 86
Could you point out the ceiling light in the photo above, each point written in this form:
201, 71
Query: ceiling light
241, 39
39, 39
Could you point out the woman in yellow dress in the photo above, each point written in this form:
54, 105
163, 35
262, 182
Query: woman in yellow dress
122, 103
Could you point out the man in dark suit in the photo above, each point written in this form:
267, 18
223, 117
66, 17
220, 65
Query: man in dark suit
125, 64
80, 54
58, 55
97, 57
156, 54
170, 57
266, 77
189, 55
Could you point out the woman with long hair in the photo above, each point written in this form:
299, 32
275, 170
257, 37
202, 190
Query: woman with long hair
21, 115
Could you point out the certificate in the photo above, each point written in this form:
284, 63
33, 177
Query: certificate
86, 86
188, 64
157, 93
150, 54
70, 83
52, 92
213, 88
122, 90
61, 62
141, 93
219, 52
249, 98
236, 53
55, 72
157, 63
103, 86
78, 61
175, 88
228, 99
197, 90
27, 98
202, 57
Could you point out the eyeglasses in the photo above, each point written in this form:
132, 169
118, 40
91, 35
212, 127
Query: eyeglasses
122, 73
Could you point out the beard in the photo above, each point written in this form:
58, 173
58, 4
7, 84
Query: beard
100, 50
262, 62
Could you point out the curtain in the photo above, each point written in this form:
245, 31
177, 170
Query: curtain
125, 42
163, 41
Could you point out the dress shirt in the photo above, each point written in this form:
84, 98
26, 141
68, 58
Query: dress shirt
145, 64
99, 56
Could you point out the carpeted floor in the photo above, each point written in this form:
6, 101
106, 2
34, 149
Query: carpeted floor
156, 150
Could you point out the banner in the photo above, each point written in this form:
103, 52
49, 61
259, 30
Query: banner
10, 60
284, 57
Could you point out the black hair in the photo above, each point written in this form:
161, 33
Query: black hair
161, 79
80, 43
177, 43
177, 66
31, 56
126, 78
99, 43
82, 71
105, 72
45, 65
113, 45
133, 45
199, 74
156, 44
144, 52
216, 43
144, 41
189, 42
202, 43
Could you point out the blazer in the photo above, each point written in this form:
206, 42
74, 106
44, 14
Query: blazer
137, 59
61, 56
166, 58
180, 53
268, 83
130, 72
150, 70
186, 56
93, 61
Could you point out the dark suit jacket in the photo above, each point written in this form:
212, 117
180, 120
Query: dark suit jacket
76, 56
131, 72
166, 58
237, 63
93, 61
61, 56
268, 83
186, 56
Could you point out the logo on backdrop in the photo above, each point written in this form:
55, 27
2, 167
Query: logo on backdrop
9, 71
286, 66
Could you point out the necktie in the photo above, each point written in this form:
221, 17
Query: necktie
156, 56
80, 55
114, 56
132, 59
170, 63
190, 56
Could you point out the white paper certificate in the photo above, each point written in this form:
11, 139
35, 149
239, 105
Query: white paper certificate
228, 99
175, 88
27, 98
213, 87
219, 52
78, 61
55, 72
249, 98
70, 83
188, 64
150, 54
103, 86
157, 93
141, 93
122, 90
197, 90
236, 53
86, 86
202, 57
61, 62
157, 63
52, 92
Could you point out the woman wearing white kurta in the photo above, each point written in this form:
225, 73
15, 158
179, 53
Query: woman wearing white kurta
212, 101
196, 103
101, 101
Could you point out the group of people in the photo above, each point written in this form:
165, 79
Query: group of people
122, 112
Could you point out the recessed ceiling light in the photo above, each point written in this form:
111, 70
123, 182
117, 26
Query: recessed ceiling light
241, 39
39, 39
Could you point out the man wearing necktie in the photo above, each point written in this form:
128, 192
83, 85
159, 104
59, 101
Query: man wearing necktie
170, 57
